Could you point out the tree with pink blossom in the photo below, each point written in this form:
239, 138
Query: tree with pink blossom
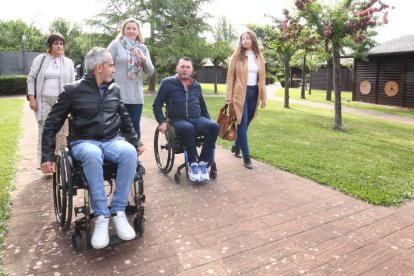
349, 24
283, 39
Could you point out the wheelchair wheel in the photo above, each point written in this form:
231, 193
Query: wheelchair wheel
164, 150
62, 191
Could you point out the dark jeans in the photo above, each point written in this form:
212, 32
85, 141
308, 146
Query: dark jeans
135, 111
188, 130
249, 109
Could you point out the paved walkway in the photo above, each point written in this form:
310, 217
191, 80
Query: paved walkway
246, 222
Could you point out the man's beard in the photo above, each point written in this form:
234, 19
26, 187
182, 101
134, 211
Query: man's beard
184, 76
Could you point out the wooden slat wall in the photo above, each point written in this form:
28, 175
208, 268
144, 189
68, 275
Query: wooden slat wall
366, 71
318, 79
398, 68
206, 74
391, 69
409, 93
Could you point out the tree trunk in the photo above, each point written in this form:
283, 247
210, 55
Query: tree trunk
287, 84
151, 82
310, 82
337, 87
215, 79
329, 81
302, 92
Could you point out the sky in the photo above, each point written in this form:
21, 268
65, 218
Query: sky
238, 12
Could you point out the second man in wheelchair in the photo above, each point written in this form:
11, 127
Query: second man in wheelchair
187, 110
98, 120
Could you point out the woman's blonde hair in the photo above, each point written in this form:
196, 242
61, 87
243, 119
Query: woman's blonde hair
139, 38
240, 51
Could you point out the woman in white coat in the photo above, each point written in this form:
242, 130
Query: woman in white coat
48, 74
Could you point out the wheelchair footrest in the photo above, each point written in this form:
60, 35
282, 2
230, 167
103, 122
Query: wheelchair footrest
114, 239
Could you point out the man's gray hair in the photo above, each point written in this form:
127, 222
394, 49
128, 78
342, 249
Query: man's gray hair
94, 57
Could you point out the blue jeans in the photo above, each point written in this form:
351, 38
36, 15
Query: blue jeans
135, 112
188, 130
249, 109
92, 155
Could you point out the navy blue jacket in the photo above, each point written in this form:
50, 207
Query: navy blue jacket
182, 103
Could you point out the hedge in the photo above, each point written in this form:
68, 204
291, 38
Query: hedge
13, 85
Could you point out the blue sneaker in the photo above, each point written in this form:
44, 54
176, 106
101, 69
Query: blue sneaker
204, 176
194, 172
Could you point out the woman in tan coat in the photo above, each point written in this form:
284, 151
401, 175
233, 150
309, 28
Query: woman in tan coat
246, 85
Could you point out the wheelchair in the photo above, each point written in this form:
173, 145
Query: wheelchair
168, 144
69, 180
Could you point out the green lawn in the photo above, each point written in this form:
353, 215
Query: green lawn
10, 131
370, 159
208, 89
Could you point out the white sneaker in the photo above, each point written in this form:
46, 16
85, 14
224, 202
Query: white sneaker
100, 236
204, 176
194, 172
123, 229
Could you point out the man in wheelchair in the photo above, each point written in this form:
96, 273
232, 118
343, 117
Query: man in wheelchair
98, 118
188, 113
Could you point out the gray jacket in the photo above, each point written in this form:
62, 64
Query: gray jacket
132, 90
37, 75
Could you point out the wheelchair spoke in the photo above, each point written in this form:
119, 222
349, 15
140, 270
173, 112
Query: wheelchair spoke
163, 151
62, 191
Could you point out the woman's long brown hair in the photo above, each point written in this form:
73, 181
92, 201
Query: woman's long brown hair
240, 51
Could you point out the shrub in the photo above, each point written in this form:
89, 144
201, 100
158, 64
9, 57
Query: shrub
13, 85
270, 78
280, 76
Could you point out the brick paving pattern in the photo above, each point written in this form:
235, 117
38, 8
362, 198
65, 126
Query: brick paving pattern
246, 222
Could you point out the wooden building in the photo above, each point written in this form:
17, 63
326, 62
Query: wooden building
319, 79
387, 77
206, 74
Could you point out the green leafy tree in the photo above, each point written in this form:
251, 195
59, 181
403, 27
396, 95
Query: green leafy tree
315, 60
285, 40
224, 30
87, 40
346, 24
309, 44
16, 35
266, 35
219, 51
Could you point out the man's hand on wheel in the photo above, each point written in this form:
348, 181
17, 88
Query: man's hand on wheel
48, 167
140, 150
163, 127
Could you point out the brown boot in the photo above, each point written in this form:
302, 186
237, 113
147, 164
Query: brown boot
247, 162
236, 150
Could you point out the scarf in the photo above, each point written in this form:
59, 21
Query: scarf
134, 62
